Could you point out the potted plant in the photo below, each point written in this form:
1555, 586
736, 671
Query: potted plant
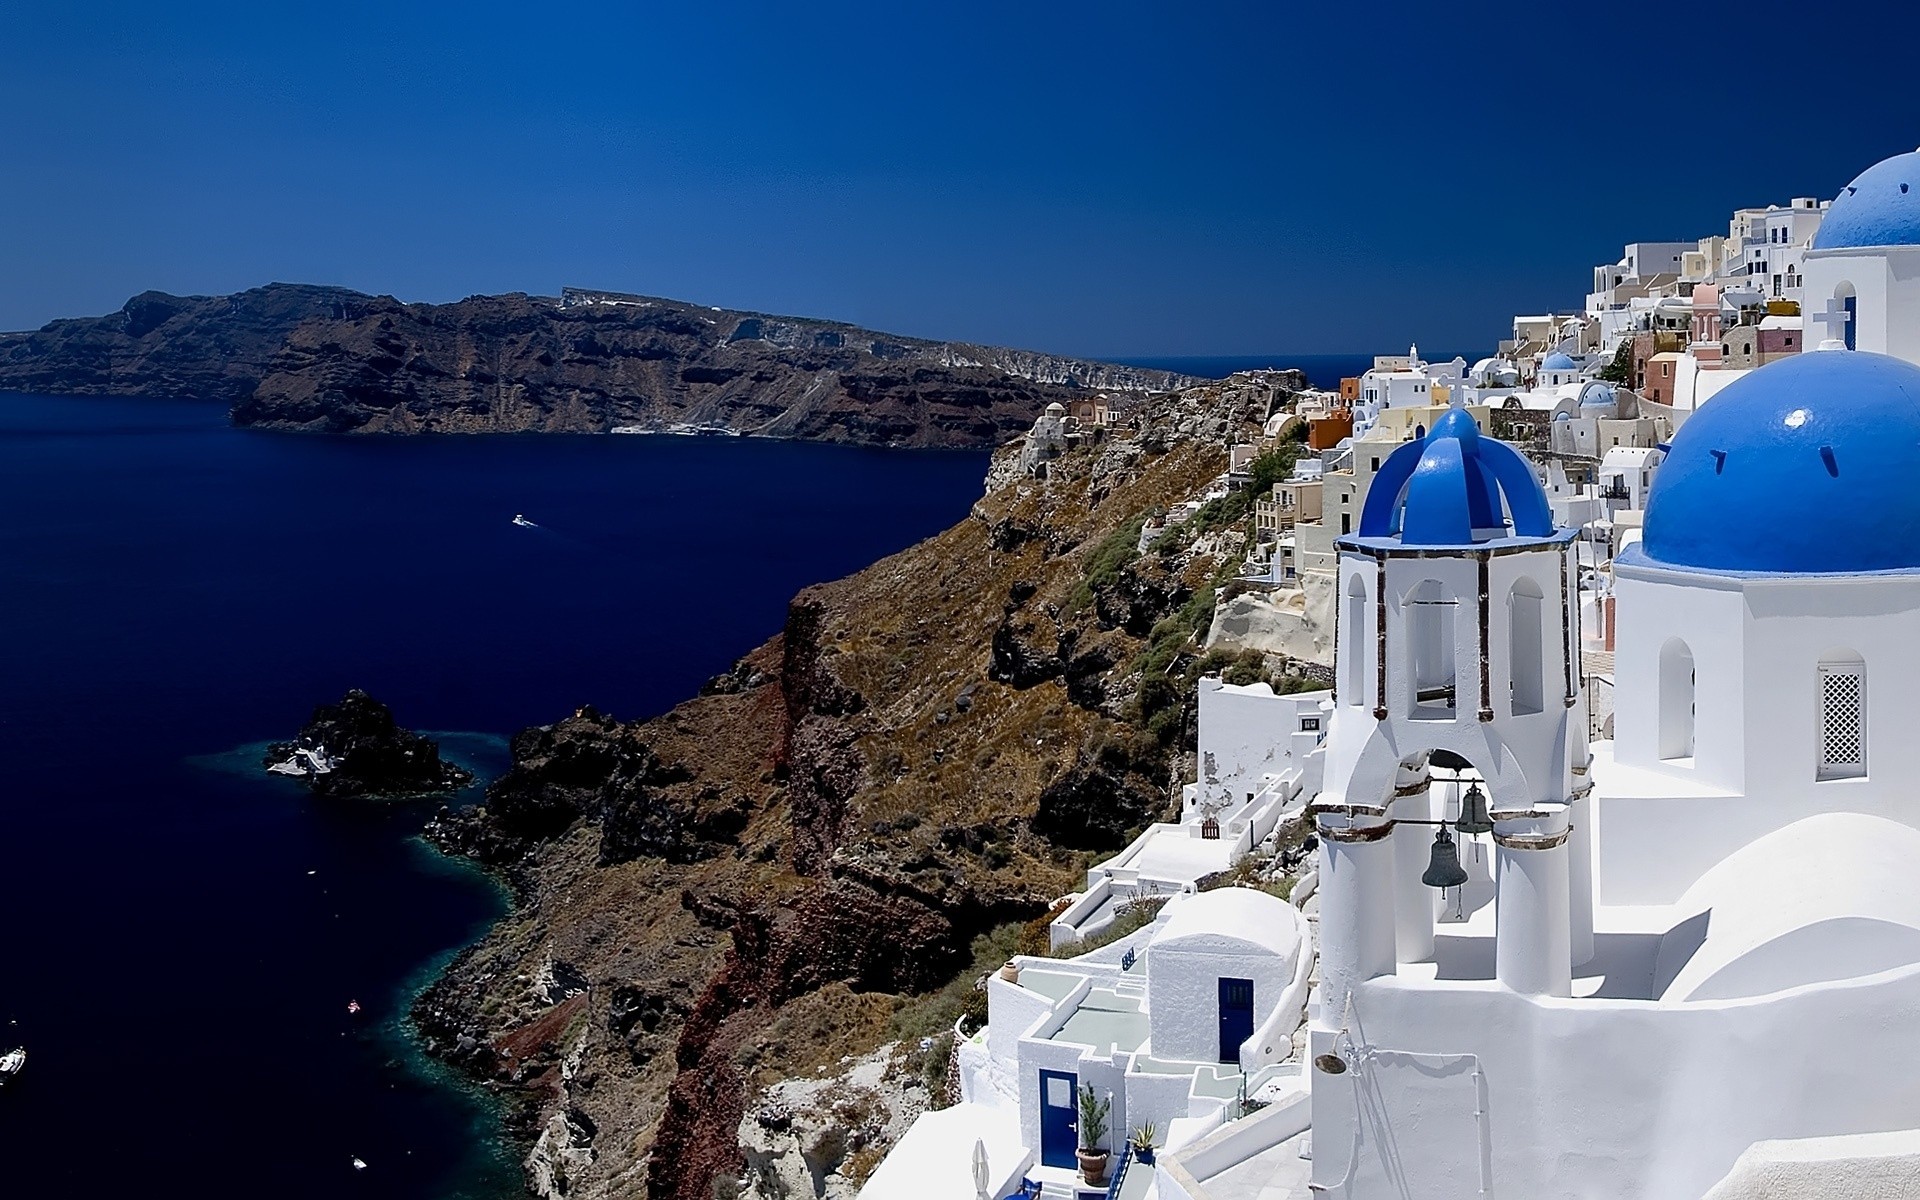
1094, 1109
1142, 1140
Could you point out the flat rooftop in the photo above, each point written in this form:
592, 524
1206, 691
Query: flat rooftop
1107, 1021
1177, 854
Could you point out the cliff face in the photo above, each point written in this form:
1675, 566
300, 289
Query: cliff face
331, 360
926, 753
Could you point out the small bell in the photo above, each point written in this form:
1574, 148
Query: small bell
1473, 812
1443, 870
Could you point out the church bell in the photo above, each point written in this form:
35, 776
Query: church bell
1473, 812
1444, 870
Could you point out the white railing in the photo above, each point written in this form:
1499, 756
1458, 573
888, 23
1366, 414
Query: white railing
1273, 1041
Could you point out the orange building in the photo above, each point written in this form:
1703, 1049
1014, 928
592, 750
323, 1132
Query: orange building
1324, 433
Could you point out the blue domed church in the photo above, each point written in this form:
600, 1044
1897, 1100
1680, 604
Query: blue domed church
1663, 963
1861, 277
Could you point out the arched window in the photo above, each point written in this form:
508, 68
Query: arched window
1525, 608
1842, 680
1676, 701
1429, 611
1354, 636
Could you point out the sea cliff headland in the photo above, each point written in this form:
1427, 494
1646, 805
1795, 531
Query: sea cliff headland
331, 360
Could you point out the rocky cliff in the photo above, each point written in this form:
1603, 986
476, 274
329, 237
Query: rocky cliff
816, 856
331, 360
356, 748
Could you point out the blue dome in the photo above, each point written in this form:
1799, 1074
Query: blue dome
1597, 395
1805, 466
1558, 361
1880, 208
1447, 488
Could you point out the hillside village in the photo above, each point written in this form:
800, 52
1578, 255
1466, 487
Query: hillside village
1558, 796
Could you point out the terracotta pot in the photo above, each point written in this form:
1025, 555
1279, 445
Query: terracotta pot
1093, 1165
1010, 972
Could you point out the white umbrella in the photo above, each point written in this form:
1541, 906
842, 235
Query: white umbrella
980, 1169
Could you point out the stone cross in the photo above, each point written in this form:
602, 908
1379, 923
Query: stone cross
1835, 317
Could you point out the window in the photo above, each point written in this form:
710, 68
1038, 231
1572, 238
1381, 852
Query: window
1353, 638
1346, 522
1428, 612
1525, 606
1843, 726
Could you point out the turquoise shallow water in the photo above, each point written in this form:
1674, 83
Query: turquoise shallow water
182, 933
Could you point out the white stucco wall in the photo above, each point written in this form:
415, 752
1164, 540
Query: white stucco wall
1868, 1166
1246, 732
1757, 644
1828, 897
1886, 283
1183, 992
1628, 1099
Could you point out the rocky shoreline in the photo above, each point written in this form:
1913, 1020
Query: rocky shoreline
330, 360
807, 861
355, 748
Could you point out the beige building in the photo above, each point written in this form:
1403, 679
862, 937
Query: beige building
1291, 502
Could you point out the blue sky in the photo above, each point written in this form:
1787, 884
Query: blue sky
1110, 179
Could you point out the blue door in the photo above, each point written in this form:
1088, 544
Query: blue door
1236, 1016
1853, 312
1059, 1119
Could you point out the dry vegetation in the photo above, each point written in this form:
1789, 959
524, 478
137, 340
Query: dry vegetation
904, 782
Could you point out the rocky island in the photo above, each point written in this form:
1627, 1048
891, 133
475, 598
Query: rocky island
355, 748
325, 359
814, 860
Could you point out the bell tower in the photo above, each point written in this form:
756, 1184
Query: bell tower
1456, 654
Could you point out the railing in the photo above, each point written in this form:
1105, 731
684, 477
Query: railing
1119, 1170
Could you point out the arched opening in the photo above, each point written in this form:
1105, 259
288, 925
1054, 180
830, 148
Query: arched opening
1429, 611
1354, 643
1676, 701
1842, 682
1850, 304
1526, 608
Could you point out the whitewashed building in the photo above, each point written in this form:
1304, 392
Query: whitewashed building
1698, 942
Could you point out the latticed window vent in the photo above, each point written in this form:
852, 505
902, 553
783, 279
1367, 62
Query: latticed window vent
1843, 731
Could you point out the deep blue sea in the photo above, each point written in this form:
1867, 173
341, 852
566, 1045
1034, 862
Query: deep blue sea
179, 934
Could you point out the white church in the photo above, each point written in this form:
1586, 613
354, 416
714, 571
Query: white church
1685, 962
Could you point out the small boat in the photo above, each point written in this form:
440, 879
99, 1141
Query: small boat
353, 1007
520, 519
359, 1164
11, 1062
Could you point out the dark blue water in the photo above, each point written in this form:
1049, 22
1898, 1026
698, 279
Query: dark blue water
180, 936
1322, 370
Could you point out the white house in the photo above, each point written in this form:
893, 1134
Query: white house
1176, 1023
